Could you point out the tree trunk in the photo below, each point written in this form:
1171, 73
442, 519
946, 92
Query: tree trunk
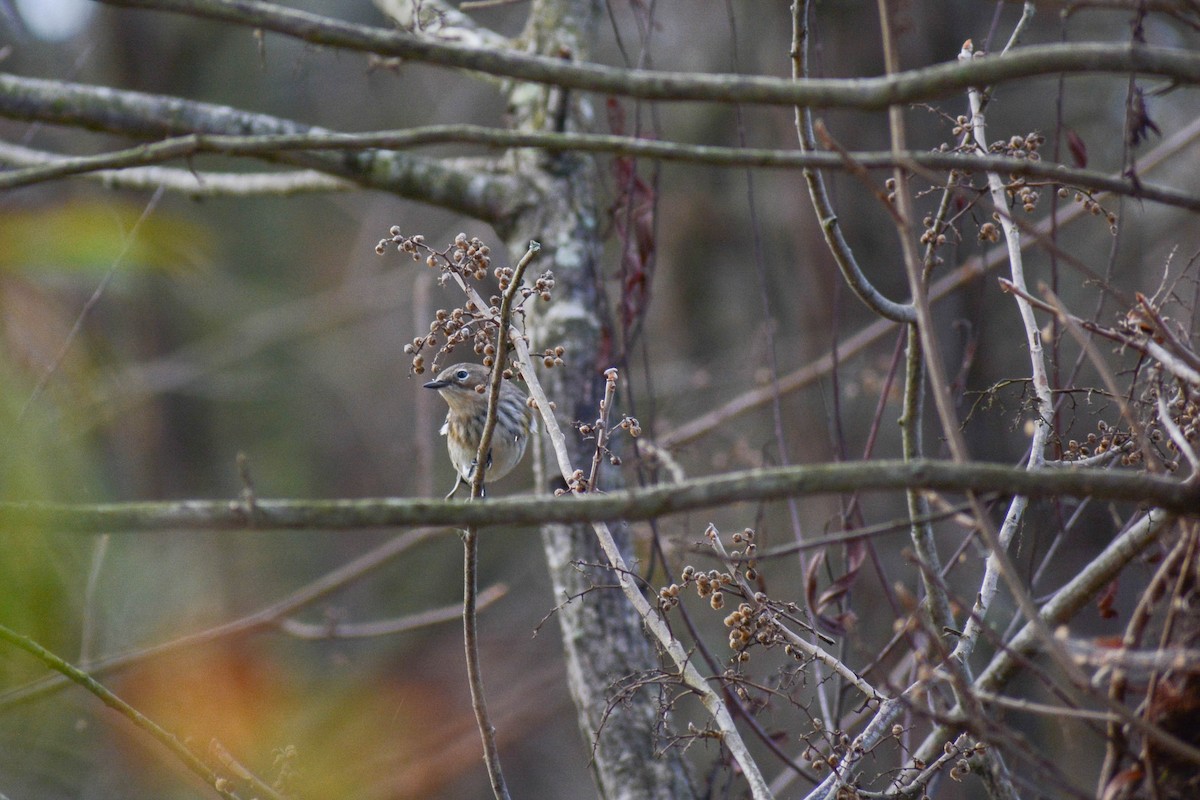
603, 641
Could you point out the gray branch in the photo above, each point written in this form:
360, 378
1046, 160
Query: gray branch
1182, 497
44, 166
474, 191
867, 94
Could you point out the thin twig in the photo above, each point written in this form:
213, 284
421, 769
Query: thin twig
1041, 385
939, 384
491, 751
610, 391
91, 303
336, 629
843, 255
38, 166
240, 771
262, 619
503, 322
164, 737
87, 636
938, 290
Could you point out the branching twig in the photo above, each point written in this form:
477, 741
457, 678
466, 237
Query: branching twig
1059, 609
938, 290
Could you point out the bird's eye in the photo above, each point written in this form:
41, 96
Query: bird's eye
462, 374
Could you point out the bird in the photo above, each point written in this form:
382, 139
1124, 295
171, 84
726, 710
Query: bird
464, 388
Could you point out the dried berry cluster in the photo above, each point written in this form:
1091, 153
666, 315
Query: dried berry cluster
843, 746
757, 620
576, 484
467, 257
1025, 147
963, 756
466, 260
1092, 207
457, 326
1107, 440
1184, 414
749, 625
747, 563
1170, 394
709, 586
1018, 189
1021, 190
1167, 424
553, 358
628, 424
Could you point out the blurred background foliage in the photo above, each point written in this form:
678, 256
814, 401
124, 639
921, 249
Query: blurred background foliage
269, 327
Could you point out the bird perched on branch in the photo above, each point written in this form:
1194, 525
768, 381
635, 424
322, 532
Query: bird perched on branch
464, 388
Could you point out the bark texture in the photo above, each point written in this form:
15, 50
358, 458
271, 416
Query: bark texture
603, 641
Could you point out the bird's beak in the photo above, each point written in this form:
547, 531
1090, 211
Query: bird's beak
436, 384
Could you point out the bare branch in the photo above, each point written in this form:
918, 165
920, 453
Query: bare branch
45, 166
632, 504
867, 94
113, 170
167, 739
469, 190
337, 629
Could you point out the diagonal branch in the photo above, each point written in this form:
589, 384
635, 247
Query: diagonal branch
474, 191
169, 740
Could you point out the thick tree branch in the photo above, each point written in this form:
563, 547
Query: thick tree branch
473, 191
867, 94
746, 486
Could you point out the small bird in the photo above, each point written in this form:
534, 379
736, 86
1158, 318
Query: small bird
464, 388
